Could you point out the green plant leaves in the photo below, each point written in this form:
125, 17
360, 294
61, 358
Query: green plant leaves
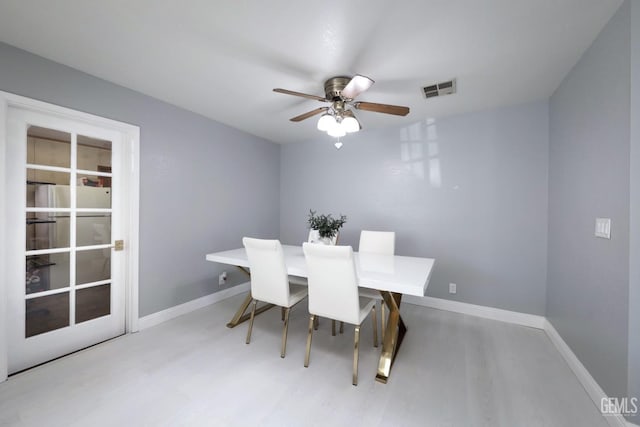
326, 225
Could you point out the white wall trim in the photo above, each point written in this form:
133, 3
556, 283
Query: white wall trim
178, 310
4, 366
522, 319
133, 230
588, 382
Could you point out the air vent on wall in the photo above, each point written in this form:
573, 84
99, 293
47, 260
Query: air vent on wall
440, 89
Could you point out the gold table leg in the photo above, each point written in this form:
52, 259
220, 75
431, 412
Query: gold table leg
240, 315
393, 336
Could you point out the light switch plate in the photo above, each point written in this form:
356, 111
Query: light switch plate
603, 228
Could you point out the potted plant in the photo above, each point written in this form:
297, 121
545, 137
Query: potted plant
324, 228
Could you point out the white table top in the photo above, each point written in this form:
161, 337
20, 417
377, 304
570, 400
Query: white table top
401, 274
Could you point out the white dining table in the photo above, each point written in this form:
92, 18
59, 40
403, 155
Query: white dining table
392, 275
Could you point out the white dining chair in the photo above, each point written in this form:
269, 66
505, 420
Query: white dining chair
377, 242
333, 293
381, 243
312, 238
269, 281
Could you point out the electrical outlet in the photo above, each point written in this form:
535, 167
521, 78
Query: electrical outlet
222, 278
452, 288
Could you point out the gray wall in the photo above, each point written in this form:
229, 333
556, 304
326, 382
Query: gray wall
588, 277
470, 191
203, 185
479, 192
634, 254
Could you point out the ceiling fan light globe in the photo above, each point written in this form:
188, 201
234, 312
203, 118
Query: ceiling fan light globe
325, 122
336, 131
350, 124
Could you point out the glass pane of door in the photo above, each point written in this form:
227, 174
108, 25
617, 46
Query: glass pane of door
48, 313
48, 147
47, 272
48, 189
92, 197
93, 302
93, 266
93, 228
47, 230
68, 232
94, 154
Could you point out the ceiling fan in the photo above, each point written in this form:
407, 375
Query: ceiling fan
340, 92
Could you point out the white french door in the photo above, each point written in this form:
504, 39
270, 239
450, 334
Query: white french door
68, 207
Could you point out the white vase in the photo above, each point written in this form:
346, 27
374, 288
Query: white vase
314, 237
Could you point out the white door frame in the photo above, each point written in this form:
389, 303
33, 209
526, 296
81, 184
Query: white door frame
131, 178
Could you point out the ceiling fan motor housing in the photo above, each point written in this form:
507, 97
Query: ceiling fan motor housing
333, 87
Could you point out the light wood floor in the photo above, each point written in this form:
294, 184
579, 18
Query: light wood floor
452, 370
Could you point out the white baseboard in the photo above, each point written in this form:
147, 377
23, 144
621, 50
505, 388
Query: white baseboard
523, 319
588, 382
170, 313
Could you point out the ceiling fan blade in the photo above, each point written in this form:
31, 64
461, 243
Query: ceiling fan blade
356, 86
304, 95
396, 110
311, 113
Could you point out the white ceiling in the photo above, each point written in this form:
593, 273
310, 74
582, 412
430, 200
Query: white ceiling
223, 58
